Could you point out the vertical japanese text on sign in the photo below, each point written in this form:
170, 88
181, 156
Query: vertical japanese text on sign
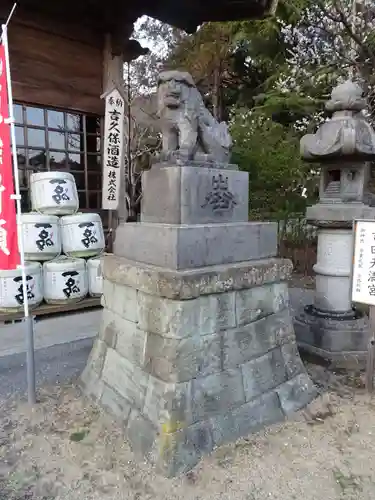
9, 254
363, 275
113, 149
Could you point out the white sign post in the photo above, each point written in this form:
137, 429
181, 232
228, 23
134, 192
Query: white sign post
113, 154
363, 283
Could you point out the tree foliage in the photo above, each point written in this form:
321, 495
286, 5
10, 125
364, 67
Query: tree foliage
328, 41
278, 177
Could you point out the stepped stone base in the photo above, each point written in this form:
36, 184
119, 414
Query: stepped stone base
189, 360
191, 246
342, 339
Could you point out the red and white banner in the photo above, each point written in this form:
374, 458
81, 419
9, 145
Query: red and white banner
9, 254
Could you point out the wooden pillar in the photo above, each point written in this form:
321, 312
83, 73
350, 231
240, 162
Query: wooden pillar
113, 73
113, 66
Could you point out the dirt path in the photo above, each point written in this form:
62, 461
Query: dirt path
65, 450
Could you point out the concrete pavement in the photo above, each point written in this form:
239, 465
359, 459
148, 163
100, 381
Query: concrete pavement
58, 364
62, 345
50, 331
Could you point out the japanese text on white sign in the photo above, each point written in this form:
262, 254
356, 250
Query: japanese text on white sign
363, 275
113, 149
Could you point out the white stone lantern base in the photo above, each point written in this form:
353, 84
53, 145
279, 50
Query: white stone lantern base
341, 340
330, 327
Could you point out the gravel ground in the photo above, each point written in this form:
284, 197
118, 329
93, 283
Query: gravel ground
66, 449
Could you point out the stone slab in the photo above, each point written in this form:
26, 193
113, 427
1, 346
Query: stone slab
247, 342
121, 301
178, 452
338, 214
168, 405
116, 404
248, 418
141, 435
177, 360
125, 378
97, 357
262, 374
333, 339
189, 284
161, 160
186, 195
184, 318
124, 336
217, 394
293, 363
296, 393
187, 247
260, 301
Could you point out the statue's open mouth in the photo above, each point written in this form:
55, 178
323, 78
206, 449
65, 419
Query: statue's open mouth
174, 95
172, 100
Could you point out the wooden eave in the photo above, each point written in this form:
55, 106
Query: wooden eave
115, 15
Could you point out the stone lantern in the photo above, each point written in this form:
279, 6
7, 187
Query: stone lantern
343, 146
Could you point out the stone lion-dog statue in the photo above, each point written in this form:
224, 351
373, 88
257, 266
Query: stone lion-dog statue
188, 129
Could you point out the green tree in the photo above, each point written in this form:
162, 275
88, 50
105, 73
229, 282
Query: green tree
327, 41
230, 61
278, 178
207, 56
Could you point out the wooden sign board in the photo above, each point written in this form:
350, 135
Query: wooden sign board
113, 154
363, 270
363, 284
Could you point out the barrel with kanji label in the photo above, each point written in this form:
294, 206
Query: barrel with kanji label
12, 296
82, 235
41, 236
65, 280
54, 193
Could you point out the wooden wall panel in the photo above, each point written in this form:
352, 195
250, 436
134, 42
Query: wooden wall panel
53, 70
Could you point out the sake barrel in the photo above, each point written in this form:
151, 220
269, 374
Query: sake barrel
65, 280
41, 236
11, 290
95, 277
54, 193
82, 235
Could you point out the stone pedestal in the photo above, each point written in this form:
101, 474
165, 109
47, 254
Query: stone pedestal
195, 195
196, 346
331, 327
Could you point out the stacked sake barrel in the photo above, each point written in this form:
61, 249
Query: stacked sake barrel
62, 247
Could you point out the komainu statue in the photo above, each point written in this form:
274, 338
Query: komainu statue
188, 129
